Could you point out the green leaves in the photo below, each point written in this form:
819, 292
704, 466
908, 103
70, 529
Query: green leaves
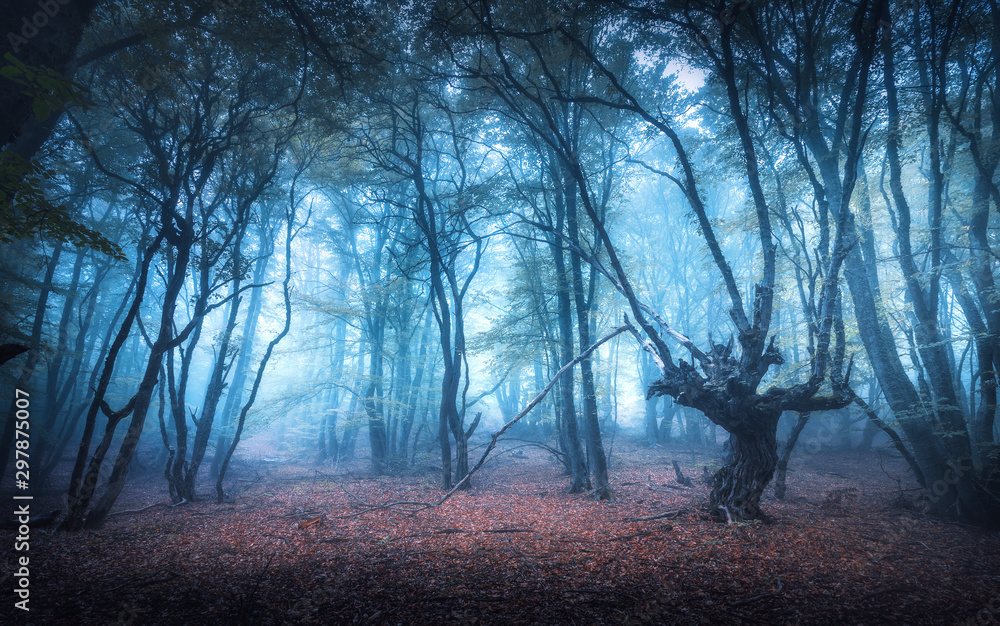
24, 209
26, 212
50, 91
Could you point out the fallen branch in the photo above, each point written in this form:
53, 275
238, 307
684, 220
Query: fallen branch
416, 507
400, 506
316, 520
649, 518
145, 508
533, 444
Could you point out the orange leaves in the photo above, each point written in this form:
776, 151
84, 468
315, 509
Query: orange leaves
517, 547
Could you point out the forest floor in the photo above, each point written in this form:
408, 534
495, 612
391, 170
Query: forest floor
845, 547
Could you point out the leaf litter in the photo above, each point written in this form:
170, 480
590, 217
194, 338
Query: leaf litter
845, 546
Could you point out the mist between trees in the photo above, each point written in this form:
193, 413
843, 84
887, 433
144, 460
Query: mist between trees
380, 229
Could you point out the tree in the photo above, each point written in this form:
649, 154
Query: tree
418, 139
183, 146
726, 389
812, 94
221, 263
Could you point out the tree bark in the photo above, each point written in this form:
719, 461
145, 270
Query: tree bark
786, 454
82, 484
580, 479
141, 401
737, 487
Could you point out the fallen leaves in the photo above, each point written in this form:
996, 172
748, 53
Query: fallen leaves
518, 548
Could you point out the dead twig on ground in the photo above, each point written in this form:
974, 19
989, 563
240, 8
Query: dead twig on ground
648, 518
312, 522
145, 508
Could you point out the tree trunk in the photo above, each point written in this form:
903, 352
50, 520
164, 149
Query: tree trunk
330, 447
595, 448
236, 388
213, 395
81, 485
346, 448
737, 487
374, 410
571, 438
68, 396
143, 397
786, 454
652, 431
54, 398
988, 346
667, 422
56, 52
960, 494
262, 366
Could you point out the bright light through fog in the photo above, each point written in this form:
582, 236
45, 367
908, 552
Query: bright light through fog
690, 79
500, 312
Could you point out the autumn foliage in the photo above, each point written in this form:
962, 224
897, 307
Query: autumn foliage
298, 544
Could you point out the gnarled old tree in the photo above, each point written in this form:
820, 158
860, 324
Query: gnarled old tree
813, 80
516, 60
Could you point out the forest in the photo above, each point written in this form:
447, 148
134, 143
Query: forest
481, 311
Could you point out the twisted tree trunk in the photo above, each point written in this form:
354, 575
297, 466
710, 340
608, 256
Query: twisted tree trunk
738, 485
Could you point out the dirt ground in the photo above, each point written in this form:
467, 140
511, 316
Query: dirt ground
847, 546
